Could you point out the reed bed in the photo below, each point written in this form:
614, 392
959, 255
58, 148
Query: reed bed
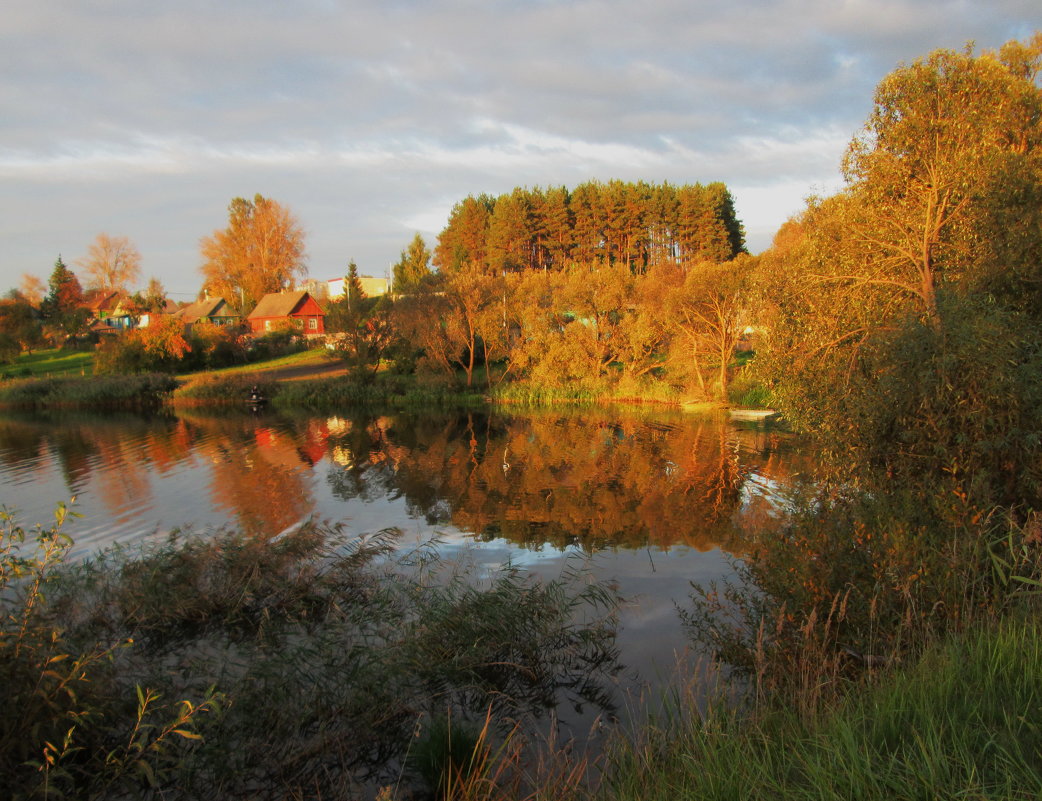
144, 391
300, 665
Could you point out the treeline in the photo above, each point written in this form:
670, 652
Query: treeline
608, 289
635, 224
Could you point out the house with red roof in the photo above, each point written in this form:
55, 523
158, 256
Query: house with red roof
278, 309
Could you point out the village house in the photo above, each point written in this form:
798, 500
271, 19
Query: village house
100, 303
298, 309
209, 310
148, 317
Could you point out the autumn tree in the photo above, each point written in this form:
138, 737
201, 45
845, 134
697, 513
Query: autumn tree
952, 142
20, 329
261, 251
62, 309
162, 347
32, 289
154, 297
413, 266
706, 307
111, 263
905, 330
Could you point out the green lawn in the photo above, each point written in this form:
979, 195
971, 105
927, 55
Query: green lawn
52, 362
314, 358
70, 363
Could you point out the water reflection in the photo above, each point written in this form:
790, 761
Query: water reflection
585, 479
648, 497
590, 480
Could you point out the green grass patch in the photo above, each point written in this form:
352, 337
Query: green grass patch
52, 363
304, 358
962, 722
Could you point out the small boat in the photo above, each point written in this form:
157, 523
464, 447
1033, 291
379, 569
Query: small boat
754, 415
255, 399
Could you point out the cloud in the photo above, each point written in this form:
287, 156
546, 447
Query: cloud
370, 119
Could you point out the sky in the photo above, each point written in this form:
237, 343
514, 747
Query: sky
370, 120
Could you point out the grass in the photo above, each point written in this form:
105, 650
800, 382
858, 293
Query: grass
147, 390
299, 666
52, 363
961, 722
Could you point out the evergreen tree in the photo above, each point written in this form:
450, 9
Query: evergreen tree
353, 292
63, 307
413, 266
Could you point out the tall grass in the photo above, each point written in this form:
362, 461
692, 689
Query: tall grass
72, 724
960, 722
324, 652
388, 391
224, 389
585, 393
119, 392
394, 391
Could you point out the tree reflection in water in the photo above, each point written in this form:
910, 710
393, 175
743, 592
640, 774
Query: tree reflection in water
591, 479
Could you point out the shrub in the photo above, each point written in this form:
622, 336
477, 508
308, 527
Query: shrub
71, 726
331, 650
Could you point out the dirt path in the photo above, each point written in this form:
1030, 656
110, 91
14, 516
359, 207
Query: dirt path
304, 372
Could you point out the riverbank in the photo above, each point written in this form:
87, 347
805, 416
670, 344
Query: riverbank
958, 722
345, 667
311, 381
324, 382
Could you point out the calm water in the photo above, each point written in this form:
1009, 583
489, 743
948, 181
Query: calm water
654, 500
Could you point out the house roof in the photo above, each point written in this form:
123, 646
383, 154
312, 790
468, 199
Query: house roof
205, 308
100, 300
278, 304
103, 327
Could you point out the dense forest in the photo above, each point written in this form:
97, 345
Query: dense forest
636, 224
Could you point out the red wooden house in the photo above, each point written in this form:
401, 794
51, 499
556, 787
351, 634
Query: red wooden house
297, 308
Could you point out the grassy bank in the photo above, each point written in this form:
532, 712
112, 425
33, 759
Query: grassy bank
114, 392
324, 394
961, 722
312, 380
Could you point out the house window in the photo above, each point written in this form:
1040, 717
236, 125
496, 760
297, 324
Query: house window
313, 324
267, 325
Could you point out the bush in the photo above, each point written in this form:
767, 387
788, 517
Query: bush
226, 390
280, 342
71, 726
330, 651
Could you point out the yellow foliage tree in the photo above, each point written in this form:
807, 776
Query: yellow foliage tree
261, 251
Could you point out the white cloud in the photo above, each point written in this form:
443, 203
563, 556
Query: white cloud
371, 119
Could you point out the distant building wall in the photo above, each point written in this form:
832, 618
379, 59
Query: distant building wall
371, 286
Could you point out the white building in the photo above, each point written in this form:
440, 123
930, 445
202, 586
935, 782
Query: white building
372, 287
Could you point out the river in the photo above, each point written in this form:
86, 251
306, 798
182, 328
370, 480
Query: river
652, 500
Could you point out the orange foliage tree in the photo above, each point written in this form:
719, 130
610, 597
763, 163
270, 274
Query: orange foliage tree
261, 251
